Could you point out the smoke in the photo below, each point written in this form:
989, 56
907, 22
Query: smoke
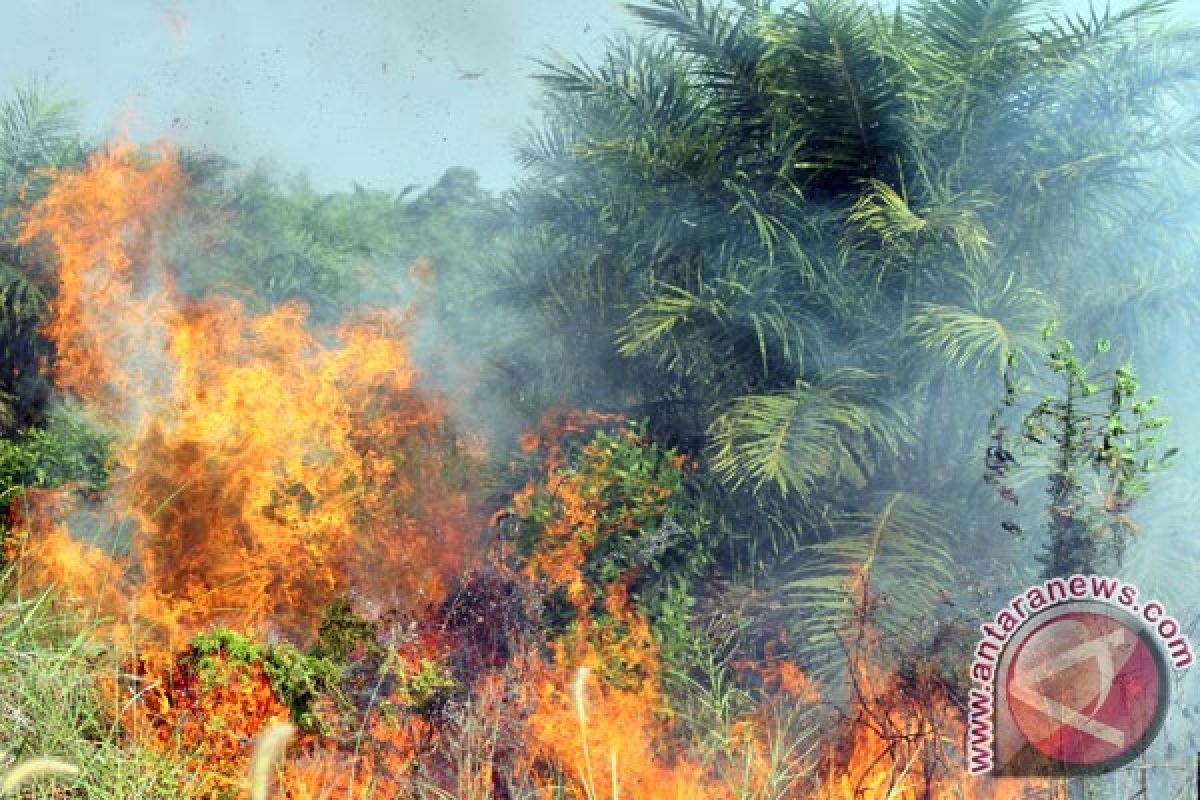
266, 463
448, 262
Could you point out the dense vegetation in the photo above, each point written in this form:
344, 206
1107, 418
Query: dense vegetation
805, 249
805, 243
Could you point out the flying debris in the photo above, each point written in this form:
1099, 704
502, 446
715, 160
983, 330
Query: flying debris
466, 74
999, 458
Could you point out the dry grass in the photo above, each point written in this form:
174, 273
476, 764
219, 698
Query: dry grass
31, 770
56, 725
268, 752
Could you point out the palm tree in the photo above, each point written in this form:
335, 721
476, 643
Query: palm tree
804, 240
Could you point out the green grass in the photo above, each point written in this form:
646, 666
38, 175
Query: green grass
52, 710
51, 707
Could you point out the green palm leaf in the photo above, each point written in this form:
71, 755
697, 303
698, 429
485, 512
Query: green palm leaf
888, 221
896, 546
688, 331
797, 439
987, 330
728, 55
35, 131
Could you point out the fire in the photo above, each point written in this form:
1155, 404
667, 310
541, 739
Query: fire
612, 745
108, 322
264, 467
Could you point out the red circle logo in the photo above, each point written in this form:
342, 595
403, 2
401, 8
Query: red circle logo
1086, 689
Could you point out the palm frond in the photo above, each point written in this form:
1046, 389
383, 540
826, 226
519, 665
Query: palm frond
895, 546
641, 84
969, 50
1073, 34
837, 85
984, 334
35, 129
889, 221
796, 439
687, 331
727, 53
1155, 299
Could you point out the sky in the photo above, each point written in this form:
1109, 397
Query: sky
383, 93
379, 92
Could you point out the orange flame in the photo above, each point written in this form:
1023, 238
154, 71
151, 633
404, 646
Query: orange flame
264, 468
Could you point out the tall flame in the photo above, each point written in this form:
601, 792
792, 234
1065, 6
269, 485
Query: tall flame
263, 467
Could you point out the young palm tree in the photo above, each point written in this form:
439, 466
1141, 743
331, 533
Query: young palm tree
802, 240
